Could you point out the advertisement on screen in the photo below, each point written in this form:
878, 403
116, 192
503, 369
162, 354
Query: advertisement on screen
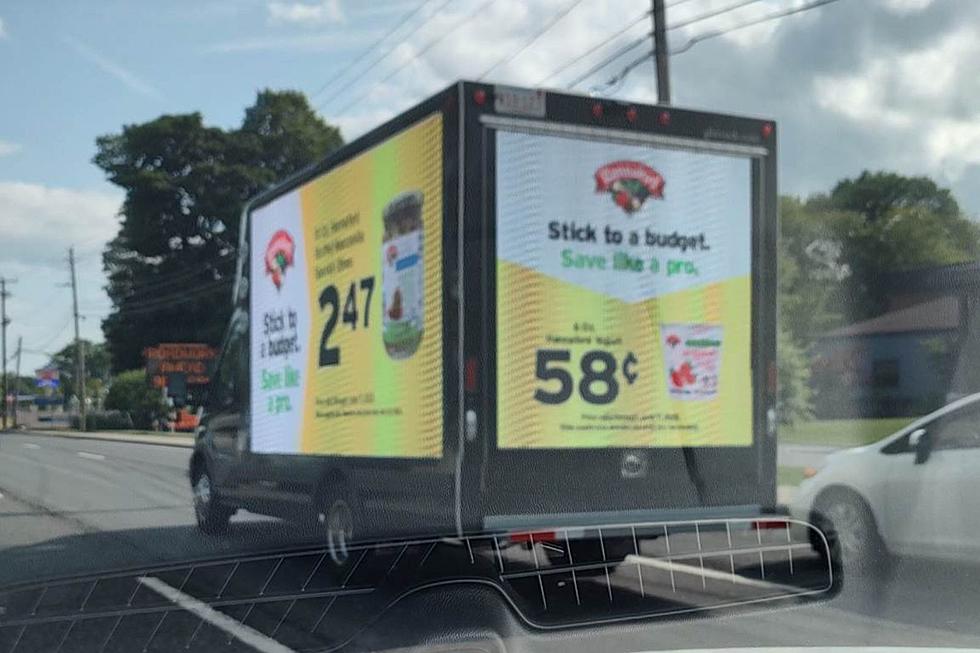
346, 307
623, 295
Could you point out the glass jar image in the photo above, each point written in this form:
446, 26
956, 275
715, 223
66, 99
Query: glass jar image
402, 275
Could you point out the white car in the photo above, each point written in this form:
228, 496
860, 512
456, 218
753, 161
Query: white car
916, 492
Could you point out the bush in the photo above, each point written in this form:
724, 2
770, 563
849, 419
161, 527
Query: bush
110, 420
131, 394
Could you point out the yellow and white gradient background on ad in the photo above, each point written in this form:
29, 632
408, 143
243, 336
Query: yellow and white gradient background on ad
369, 404
543, 179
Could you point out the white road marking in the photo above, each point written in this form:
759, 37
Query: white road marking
90, 456
236, 629
31, 445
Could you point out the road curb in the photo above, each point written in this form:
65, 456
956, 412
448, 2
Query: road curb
183, 441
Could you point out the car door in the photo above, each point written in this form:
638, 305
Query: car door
931, 505
227, 418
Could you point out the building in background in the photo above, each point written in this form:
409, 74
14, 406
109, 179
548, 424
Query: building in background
917, 356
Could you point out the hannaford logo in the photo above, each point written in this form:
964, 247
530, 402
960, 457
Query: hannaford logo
279, 256
630, 183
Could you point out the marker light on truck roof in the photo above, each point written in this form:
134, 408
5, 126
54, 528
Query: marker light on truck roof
480, 96
664, 118
767, 130
597, 110
631, 114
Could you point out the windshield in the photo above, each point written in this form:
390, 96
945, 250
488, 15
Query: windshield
576, 318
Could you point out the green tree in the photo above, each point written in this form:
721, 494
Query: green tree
794, 397
873, 195
130, 393
97, 368
171, 266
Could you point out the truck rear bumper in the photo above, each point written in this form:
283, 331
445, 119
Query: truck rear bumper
545, 522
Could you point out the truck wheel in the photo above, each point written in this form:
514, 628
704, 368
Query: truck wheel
212, 517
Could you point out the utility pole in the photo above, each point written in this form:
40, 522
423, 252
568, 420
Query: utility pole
660, 51
4, 321
20, 344
79, 348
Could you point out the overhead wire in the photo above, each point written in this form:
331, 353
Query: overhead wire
619, 77
510, 56
431, 44
384, 55
774, 16
598, 46
637, 42
405, 19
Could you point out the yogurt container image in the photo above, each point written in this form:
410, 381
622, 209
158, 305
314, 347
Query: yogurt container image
692, 360
402, 275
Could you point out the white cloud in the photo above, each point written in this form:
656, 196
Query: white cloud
114, 69
39, 222
3, 31
915, 94
906, 6
7, 148
328, 41
302, 13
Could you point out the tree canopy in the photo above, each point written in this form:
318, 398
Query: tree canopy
171, 266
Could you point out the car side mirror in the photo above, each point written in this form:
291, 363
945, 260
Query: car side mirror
921, 444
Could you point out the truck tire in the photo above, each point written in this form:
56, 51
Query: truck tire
851, 531
212, 517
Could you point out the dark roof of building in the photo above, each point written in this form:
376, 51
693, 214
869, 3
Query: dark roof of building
957, 276
940, 314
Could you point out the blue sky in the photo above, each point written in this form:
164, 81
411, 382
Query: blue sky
856, 84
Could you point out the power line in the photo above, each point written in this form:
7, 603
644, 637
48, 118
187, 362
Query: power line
507, 58
50, 341
619, 77
634, 44
711, 14
181, 275
608, 60
398, 25
598, 46
383, 56
160, 303
615, 35
780, 14
431, 44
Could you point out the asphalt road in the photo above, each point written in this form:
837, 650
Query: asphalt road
68, 504
78, 506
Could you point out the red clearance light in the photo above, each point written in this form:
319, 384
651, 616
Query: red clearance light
480, 96
597, 110
767, 524
631, 114
767, 130
543, 536
664, 118
470, 374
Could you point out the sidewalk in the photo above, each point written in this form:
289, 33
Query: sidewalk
148, 437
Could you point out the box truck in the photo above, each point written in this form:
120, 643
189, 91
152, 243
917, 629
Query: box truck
505, 308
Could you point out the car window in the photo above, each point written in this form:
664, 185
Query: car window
959, 430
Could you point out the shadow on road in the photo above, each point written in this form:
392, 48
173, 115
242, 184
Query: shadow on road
918, 592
